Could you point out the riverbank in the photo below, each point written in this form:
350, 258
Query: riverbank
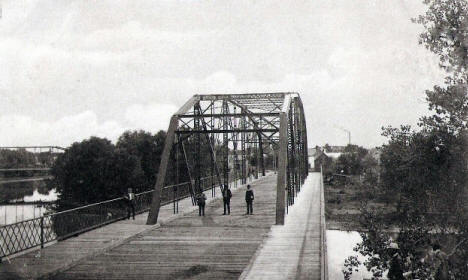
343, 203
8, 180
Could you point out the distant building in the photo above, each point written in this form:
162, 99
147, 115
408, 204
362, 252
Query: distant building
319, 157
334, 149
322, 160
313, 154
333, 155
333, 152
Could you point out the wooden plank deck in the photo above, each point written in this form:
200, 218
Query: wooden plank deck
62, 255
187, 246
190, 247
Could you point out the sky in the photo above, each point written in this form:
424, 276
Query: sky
74, 69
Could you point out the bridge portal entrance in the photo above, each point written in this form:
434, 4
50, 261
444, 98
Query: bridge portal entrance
231, 137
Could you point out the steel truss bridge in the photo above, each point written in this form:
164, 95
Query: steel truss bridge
212, 141
42, 157
238, 131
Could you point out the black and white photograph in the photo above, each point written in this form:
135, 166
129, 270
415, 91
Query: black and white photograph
234, 139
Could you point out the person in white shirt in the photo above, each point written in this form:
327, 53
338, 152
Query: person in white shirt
130, 197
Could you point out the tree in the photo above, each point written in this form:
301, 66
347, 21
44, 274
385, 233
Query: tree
416, 234
92, 171
432, 162
351, 161
445, 33
419, 169
16, 158
370, 169
147, 149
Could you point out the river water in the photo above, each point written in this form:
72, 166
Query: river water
340, 245
29, 191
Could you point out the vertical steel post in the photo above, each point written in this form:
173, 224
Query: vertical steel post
211, 141
243, 140
235, 143
260, 151
292, 154
225, 145
177, 175
190, 173
42, 232
256, 156
197, 150
282, 165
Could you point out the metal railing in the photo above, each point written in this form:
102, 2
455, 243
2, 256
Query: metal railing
323, 232
24, 235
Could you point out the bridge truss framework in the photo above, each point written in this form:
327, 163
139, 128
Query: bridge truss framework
44, 156
236, 130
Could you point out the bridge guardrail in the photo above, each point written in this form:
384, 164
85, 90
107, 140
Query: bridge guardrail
24, 235
323, 233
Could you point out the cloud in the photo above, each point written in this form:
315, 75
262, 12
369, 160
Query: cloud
149, 117
100, 67
21, 130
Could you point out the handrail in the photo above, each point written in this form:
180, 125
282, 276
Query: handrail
323, 232
115, 199
25, 169
32, 147
84, 207
27, 234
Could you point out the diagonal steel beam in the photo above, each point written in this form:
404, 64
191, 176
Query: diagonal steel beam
156, 201
247, 112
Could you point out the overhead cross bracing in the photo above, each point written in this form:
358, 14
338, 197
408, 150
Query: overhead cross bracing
238, 131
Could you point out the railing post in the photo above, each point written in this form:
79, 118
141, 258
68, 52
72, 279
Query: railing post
42, 231
174, 198
323, 232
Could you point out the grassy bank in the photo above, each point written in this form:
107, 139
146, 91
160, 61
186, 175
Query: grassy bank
344, 200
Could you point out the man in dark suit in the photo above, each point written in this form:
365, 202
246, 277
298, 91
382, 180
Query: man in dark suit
227, 200
249, 198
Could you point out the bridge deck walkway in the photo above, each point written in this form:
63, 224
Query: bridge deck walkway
60, 256
186, 246
292, 251
190, 247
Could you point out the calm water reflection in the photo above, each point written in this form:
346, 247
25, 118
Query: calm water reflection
340, 245
24, 191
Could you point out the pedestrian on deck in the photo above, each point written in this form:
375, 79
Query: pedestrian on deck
201, 198
227, 194
130, 198
249, 198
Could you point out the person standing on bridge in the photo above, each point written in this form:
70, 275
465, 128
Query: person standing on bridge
249, 198
201, 198
130, 198
227, 194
